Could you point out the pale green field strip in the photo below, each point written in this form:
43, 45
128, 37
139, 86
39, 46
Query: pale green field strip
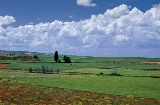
136, 86
122, 71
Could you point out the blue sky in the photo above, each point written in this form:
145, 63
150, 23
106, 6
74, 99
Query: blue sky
81, 27
35, 11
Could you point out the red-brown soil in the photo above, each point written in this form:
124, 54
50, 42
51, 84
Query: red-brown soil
157, 70
3, 65
3, 70
157, 63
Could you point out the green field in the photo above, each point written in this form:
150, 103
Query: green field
138, 87
136, 78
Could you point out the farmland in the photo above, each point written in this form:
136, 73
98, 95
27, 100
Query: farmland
137, 82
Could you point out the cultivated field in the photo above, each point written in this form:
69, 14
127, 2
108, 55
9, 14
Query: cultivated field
87, 80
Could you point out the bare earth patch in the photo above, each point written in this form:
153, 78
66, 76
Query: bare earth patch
158, 70
3, 65
152, 63
156, 63
3, 70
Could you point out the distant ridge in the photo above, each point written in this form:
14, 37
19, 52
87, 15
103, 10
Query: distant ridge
13, 52
20, 52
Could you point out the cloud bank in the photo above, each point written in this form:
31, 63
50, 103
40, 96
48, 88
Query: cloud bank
86, 3
120, 31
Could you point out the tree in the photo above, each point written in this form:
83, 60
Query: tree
43, 69
64, 58
56, 56
67, 59
36, 57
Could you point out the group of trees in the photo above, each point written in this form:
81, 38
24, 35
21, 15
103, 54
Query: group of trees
43, 69
23, 57
66, 59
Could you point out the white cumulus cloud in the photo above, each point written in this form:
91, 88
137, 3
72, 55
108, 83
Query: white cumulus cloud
120, 31
6, 20
85, 3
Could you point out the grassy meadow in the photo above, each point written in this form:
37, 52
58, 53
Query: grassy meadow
136, 80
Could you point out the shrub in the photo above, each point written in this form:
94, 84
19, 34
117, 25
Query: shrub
43, 69
58, 71
101, 73
114, 73
30, 69
59, 61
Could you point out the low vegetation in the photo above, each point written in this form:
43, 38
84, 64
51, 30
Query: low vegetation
13, 92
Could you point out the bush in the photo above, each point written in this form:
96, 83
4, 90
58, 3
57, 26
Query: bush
30, 69
59, 61
101, 73
43, 69
58, 71
114, 73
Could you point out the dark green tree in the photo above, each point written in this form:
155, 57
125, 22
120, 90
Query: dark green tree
56, 56
64, 58
67, 59
36, 57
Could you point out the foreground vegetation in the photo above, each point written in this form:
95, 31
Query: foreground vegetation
13, 92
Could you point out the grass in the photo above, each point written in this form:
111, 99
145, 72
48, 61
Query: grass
122, 71
15, 92
136, 86
61, 66
117, 59
76, 66
7, 61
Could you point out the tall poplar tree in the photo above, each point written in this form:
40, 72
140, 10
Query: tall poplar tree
56, 56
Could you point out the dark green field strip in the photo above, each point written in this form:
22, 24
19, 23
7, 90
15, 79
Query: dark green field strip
117, 59
72, 66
